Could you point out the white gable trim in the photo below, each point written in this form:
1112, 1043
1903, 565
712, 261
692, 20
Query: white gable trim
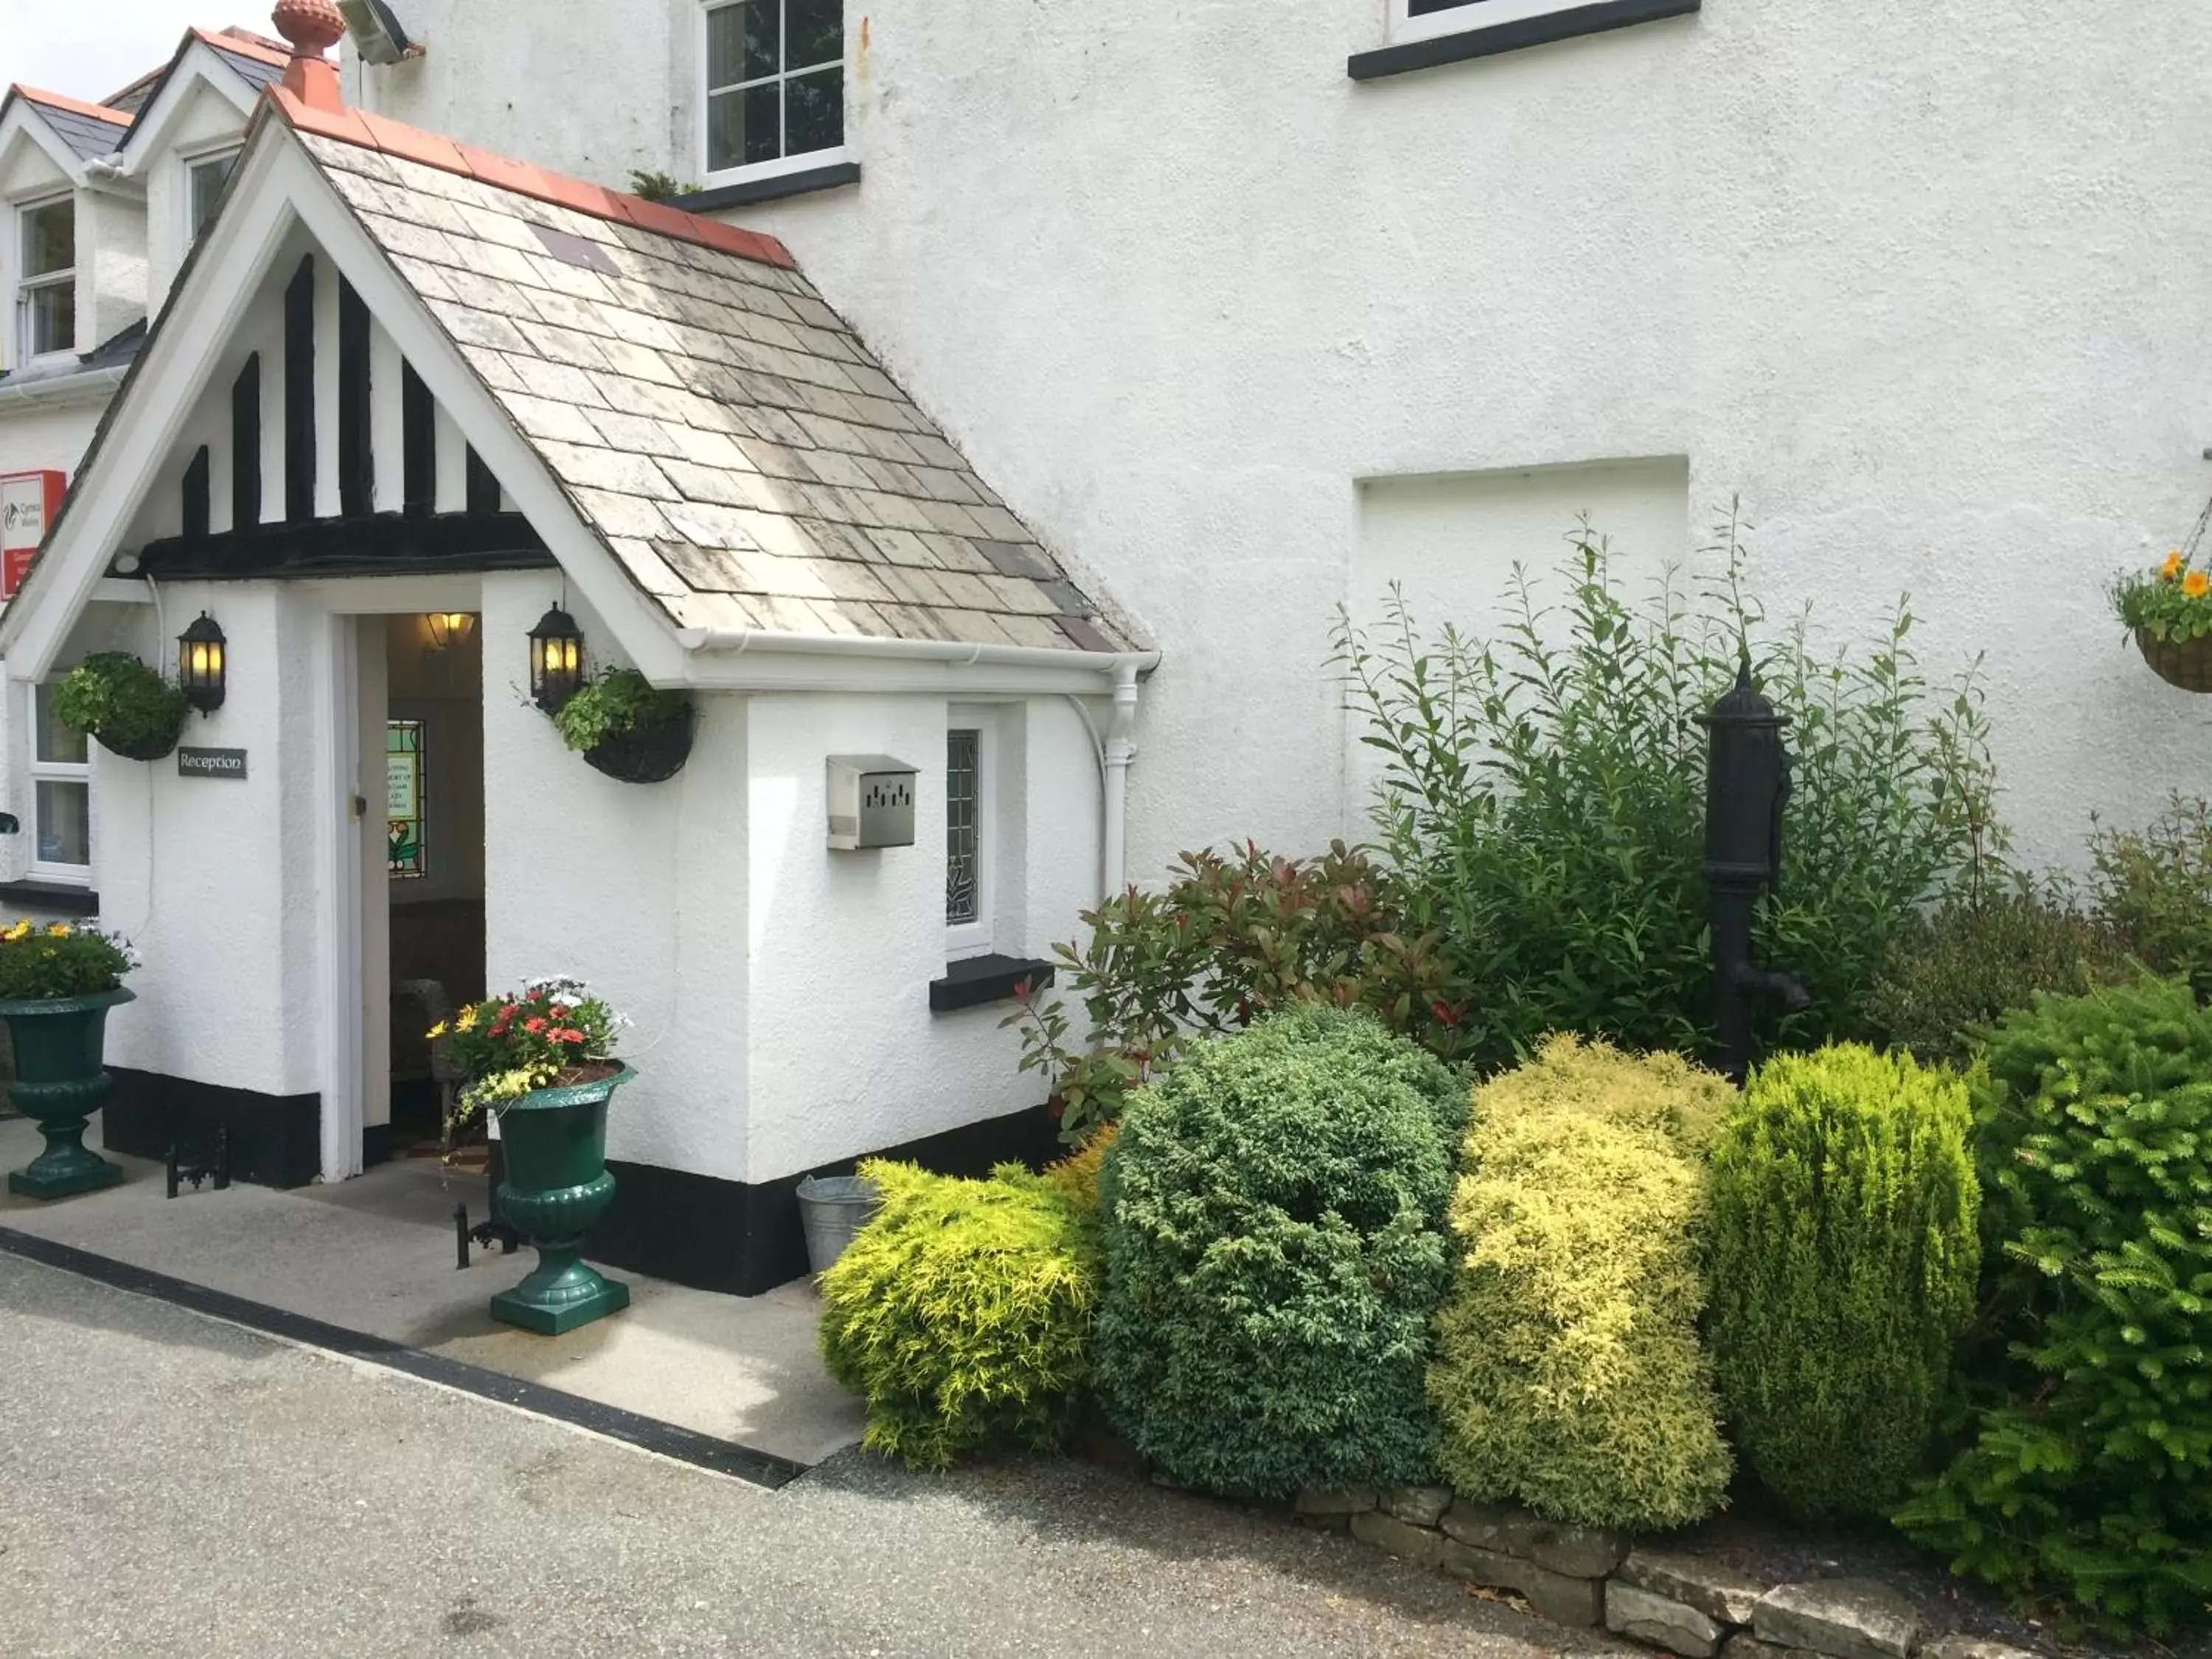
26, 124
201, 64
277, 192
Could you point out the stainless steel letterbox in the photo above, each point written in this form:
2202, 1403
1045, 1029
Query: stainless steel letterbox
871, 802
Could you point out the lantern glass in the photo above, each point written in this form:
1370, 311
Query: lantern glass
200, 665
556, 660
448, 628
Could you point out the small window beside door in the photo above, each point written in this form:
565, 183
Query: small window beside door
45, 290
61, 792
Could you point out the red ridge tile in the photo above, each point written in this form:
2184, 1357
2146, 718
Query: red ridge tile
413, 144
346, 125
74, 106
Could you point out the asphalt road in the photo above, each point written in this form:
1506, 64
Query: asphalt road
172, 1484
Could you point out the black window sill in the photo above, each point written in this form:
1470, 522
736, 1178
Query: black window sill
57, 897
837, 175
979, 979
1478, 42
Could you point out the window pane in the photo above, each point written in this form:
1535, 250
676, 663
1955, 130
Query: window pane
817, 34
741, 42
52, 317
64, 823
403, 800
962, 782
208, 180
55, 741
744, 126
815, 111
49, 238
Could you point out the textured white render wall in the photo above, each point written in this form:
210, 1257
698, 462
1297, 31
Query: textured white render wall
213, 879
581, 87
51, 431
112, 269
1921, 280
639, 888
845, 1056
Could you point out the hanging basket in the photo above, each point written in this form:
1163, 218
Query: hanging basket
150, 746
2184, 663
644, 754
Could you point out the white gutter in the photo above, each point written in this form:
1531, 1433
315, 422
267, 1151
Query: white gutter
741, 639
65, 388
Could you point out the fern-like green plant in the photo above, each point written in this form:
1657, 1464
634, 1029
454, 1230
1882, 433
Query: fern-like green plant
962, 1312
1843, 1261
617, 700
1568, 1375
2085, 1486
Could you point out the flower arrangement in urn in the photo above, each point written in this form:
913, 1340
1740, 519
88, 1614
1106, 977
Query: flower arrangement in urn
57, 981
555, 1032
2169, 611
541, 1060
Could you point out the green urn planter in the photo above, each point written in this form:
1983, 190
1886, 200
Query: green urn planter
555, 1144
58, 1084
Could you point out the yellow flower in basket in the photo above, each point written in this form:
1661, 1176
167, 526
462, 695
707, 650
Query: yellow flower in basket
2196, 585
2172, 568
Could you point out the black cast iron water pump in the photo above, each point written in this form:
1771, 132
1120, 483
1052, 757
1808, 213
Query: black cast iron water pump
1746, 789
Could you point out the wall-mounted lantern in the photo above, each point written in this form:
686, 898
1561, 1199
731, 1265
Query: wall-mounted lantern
201, 665
448, 628
556, 660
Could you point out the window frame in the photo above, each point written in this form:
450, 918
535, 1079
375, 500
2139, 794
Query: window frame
805, 161
1468, 15
43, 770
195, 227
978, 937
28, 284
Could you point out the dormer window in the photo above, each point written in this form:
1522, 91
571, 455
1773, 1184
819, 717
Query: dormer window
774, 85
204, 178
45, 291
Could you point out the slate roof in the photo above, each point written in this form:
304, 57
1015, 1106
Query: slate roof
259, 61
725, 431
89, 130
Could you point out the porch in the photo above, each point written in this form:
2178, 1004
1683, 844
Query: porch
374, 1258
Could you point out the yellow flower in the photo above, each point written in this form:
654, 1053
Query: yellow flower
59, 930
436, 1031
468, 1020
2172, 568
2196, 585
21, 930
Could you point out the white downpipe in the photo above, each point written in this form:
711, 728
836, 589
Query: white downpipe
1114, 874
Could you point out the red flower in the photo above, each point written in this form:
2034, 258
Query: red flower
534, 1025
571, 1035
1448, 1015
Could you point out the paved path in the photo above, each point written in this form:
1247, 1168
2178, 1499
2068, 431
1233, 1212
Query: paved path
171, 1484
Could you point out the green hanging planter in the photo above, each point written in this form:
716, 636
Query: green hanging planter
555, 1144
59, 1083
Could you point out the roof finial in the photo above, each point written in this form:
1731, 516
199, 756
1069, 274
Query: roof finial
312, 27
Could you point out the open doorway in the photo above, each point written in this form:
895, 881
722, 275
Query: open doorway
432, 774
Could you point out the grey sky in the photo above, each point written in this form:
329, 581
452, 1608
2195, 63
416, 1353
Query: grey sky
91, 48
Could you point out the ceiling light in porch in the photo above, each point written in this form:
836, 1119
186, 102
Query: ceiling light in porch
448, 628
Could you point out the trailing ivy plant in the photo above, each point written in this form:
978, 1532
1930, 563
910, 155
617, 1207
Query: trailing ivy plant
118, 700
1540, 805
617, 700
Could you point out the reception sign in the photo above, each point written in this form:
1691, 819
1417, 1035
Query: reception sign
28, 501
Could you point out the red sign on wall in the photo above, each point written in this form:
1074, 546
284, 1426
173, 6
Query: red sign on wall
28, 501
28, 507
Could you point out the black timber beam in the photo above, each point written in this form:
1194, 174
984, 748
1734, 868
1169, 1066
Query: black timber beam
379, 545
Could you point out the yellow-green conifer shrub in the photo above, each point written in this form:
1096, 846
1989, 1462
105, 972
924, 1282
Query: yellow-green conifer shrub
1843, 1254
1568, 1373
962, 1312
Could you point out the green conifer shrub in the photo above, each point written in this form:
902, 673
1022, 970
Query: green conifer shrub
1843, 1255
1275, 1252
1568, 1374
2085, 1488
962, 1312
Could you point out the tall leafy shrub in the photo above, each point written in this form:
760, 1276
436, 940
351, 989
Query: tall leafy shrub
1843, 1258
2155, 886
1275, 1251
961, 1311
1541, 795
2085, 1484
1568, 1374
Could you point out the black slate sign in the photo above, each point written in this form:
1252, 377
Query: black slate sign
211, 763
